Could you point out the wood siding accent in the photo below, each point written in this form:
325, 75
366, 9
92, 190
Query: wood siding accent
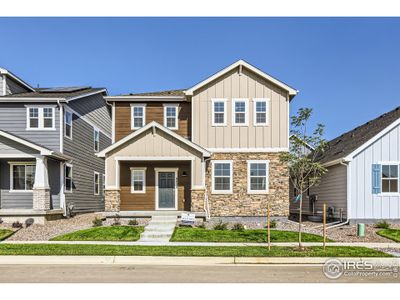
245, 85
147, 200
154, 112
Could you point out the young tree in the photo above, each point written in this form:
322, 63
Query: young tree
304, 169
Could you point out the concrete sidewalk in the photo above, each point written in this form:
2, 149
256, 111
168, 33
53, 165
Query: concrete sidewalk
179, 260
206, 244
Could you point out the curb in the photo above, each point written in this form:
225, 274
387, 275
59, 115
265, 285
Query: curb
178, 261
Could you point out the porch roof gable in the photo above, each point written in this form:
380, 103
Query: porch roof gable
153, 125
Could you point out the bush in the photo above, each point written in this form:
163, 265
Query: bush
382, 225
97, 222
221, 226
117, 221
272, 224
133, 222
238, 227
17, 225
202, 226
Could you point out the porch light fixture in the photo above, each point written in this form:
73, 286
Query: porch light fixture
184, 174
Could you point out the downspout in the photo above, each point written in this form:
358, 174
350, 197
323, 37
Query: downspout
348, 192
63, 203
206, 203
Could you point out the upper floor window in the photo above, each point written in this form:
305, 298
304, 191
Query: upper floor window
40, 118
68, 124
257, 176
96, 136
240, 115
138, 119
218, 112
222, 177
261, 107
171, 116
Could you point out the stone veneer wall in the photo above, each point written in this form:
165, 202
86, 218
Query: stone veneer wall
112, 200
41, 199
240, 203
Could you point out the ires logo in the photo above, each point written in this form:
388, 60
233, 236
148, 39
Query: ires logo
334, 268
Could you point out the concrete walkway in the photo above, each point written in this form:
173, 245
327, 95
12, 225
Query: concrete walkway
205, 244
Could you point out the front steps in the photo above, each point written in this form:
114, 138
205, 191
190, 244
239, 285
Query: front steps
159, 229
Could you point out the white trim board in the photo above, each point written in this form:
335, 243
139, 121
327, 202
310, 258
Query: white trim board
42, 150
19, 80
153, 125
246, 150
242, 63
151, 158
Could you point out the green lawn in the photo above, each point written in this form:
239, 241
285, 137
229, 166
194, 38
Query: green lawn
182, 234
249, 251
5, 233
106, 233
392, 234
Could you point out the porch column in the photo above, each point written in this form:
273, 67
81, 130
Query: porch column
41, 187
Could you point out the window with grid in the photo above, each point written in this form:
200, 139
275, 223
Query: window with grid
258, 176
260, 112
219, 112
40, 118
222, 176
171, 117
138, 116
390, 178
138, 180
33, 117
48, 117
23, 177
240, 112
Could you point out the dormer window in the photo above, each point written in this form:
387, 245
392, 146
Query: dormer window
171, 116
138, 119
40, 118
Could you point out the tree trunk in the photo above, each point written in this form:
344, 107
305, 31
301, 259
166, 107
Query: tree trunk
300, 218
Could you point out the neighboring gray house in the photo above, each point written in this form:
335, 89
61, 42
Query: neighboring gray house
48, 141
363, 172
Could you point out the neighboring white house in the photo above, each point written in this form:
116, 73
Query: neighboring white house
363, 172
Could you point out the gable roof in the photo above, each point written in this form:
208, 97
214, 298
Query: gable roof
41, 149
16, 78
241, 63
352, 142
42, 94
150, 125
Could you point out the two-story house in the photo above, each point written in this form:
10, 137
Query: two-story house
48, 141
211, 149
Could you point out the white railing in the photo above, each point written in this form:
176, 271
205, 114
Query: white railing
206, 204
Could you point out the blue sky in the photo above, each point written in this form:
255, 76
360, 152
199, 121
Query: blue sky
347, 69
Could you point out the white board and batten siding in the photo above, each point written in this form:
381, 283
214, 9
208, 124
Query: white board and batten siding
365, 205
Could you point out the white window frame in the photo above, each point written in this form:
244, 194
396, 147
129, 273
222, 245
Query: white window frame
249, 190
11, 166
65, 178
65, 123
176, 106
103, 178
40, 118
267, 105
213, 100
246, 112
143, 170
96, 183
390, 163
96, 149
143, 106
213, 190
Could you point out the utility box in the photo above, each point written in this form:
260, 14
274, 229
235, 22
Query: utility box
361, 229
